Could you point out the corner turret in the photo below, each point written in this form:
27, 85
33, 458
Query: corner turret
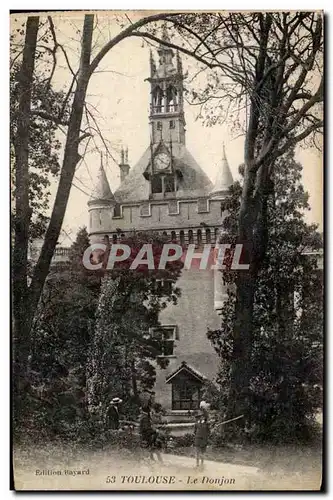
101, 206
223, 179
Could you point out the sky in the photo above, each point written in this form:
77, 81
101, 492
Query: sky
118, 96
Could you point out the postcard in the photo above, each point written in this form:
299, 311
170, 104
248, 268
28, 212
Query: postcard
167, 250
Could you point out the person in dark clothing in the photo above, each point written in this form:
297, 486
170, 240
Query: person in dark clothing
112, 414
201, 434
148, 435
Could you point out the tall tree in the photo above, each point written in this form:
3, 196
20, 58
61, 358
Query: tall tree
26, 297
60, 343
124, 344
44, 146
22, 207
271, 58
286, 352
268, 67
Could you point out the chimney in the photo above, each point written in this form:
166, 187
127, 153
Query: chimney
123, 165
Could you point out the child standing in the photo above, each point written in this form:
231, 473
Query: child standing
201, 434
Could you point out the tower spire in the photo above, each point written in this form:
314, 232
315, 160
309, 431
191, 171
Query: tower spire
167, 103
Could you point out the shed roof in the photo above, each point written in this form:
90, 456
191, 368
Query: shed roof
184, 367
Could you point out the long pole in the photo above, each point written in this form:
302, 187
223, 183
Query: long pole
231, 420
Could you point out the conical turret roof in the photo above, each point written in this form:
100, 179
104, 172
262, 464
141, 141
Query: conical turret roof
102, 191
224, 177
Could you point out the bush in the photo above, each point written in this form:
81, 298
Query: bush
184, 441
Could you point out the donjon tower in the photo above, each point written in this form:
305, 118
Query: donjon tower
168, 192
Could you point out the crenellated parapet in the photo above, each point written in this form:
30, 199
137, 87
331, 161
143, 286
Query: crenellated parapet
200, 217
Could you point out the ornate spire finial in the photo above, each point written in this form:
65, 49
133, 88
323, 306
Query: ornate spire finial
179, 63
126, 154
224, 157
152, 63
122, 154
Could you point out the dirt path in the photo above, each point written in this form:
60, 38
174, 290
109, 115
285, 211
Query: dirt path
67, 469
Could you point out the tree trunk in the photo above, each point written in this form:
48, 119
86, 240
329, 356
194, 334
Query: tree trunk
134, 381
71, 158
253, 235
242, 345
26, 300
22, 210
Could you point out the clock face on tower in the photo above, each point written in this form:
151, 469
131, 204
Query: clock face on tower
161, 161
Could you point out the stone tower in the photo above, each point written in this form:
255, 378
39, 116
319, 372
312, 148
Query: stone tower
167, 191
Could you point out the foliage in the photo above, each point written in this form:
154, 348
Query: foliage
27, 293
44, 145
286, 355
266, 82
184, 441
92, 341
124, 346
60, 343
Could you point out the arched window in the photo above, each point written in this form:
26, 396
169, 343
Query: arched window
165, 234
171, 99
208, 236
114, 238
173, 236
157, 99
199, 237
216, 234
182, 238
190, 236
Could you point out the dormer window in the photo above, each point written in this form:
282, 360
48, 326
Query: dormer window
156, 184
169, 183
163, 183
